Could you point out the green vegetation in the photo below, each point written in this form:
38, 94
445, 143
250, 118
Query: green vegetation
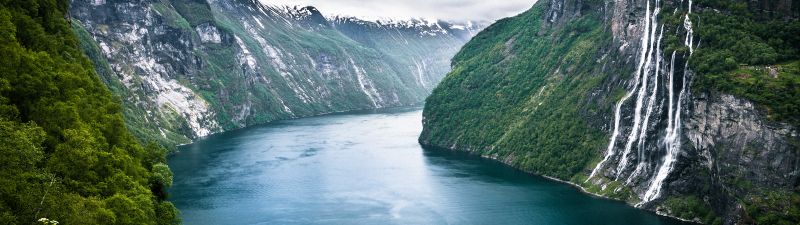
776, 88
613, 189
532, 94
172, 17
737, 47
518, 92
195, 12
135, 117
755, 56
692, 207
66, 153
779, 208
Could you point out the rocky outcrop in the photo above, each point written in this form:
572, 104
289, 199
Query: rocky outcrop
737, 152
187, 68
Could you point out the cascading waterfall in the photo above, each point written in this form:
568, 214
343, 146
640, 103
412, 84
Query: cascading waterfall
610, 152
687, 23
637, 115
643, 57
672, 138
646, 88
650, 104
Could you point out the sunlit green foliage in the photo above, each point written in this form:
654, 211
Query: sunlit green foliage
65, 153
517, 92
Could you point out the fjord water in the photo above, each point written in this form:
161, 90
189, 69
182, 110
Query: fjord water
367, 168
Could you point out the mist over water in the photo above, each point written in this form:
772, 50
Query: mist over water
367, 168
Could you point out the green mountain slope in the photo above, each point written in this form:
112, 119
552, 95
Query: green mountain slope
680, 107
515, 93
66, 153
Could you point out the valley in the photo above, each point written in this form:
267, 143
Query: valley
185, 69
376, 112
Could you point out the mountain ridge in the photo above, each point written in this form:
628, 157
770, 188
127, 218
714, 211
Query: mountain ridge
248, 63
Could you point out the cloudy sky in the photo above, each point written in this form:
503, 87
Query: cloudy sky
453, 10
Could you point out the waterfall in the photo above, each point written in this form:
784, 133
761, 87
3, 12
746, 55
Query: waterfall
646, 100
617, 117
672, 138
637, 115
650, 104
421, 72
687, 23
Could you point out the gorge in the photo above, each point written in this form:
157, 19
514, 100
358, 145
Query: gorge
245, 112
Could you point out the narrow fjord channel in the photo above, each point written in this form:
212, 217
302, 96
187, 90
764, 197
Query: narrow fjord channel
367, 168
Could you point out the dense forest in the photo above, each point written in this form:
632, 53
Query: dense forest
749, 53
66, 153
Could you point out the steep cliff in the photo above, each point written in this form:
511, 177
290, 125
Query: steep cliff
189, 68
665, 104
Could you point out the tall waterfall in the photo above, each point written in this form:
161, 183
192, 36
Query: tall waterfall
650, 105
672, 139
646, 87
611, 152
637, 115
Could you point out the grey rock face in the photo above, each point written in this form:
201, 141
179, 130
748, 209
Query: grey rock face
668, 142
188, 68
732, 142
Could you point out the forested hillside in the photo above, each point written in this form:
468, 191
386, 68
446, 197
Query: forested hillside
680, 107
752, 52
65, 152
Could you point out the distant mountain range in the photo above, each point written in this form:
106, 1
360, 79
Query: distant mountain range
188, 68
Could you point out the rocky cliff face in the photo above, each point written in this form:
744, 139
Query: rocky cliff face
735, 156
188, 68
604, 99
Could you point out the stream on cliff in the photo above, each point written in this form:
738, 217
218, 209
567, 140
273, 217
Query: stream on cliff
367, 168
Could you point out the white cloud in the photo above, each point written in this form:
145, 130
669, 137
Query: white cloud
453, 10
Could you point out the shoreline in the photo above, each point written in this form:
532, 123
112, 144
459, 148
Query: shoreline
574, 185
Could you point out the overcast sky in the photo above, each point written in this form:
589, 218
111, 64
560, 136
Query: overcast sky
452, 10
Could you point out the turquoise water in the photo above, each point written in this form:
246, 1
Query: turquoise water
367, 168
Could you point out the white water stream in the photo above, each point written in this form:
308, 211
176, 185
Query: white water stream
672, 139
610, 152
645, 88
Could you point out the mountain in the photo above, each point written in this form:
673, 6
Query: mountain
685, 108
185, 69
424, 46
67, 155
